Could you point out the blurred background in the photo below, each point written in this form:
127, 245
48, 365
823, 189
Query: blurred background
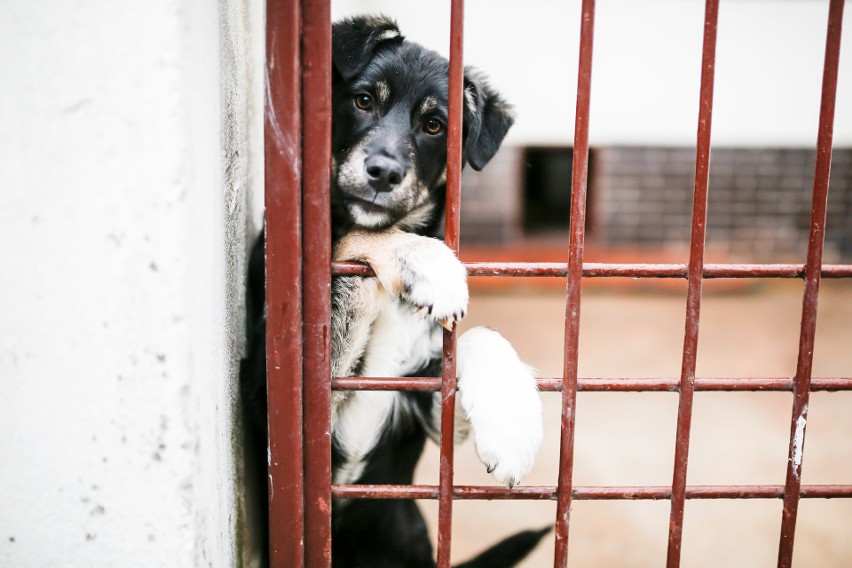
643, 122
628, 438
131, 183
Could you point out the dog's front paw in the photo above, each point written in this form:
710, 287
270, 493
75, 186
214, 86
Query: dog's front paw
421, 270
432, 279
501, 401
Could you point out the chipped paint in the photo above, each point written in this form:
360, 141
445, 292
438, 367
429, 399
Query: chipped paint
799, 441
281, 135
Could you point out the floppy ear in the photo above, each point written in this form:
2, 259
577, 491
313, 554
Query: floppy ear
354, 42
488, 116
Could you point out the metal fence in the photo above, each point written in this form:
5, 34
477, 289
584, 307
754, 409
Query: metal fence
299, 271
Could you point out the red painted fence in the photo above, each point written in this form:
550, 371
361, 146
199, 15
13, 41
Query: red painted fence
299, 272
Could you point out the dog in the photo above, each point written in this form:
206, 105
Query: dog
389, 123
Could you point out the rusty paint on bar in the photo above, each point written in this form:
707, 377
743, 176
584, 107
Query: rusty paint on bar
696, 275
608, 270
453, 203
608, 493
770, 384
804, 364
576, 240
282, 132
316, 104
428, 384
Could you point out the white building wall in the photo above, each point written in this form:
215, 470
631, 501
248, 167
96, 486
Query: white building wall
126, 157
647, 59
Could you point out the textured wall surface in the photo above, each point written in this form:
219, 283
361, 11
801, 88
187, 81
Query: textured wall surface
641, 197
123, 189
759, 200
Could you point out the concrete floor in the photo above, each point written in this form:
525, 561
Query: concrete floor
628, 438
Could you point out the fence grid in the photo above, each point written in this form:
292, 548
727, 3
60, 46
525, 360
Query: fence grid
299, 271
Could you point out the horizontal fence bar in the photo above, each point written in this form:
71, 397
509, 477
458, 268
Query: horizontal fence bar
548, 493
613, 270
770, 384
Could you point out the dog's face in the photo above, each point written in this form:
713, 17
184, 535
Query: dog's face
389, 124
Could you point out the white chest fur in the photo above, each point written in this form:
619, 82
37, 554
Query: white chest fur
400, 343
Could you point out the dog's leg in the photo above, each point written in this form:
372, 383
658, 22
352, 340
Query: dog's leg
354, 308
432, 421
498, 399
498, 395
424, 272
421, 270
501, 400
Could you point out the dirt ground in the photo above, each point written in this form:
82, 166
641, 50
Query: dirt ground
628, 438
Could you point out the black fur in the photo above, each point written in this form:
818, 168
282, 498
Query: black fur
367, 51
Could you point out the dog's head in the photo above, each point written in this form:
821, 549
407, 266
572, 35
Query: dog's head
389, 141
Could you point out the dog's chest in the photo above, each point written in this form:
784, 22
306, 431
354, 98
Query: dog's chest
400, 343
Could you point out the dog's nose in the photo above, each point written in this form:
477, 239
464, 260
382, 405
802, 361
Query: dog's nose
383, 173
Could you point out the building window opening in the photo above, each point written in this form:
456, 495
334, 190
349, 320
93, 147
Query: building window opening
546, 190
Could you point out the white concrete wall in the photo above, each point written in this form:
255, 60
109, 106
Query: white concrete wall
129, 144
647, 57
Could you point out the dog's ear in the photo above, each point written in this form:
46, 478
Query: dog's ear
354, 42
488, 119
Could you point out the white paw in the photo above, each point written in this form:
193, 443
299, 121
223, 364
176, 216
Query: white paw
433, 280
420, 270
499, 395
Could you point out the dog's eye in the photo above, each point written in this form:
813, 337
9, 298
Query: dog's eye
363, 101
433, 126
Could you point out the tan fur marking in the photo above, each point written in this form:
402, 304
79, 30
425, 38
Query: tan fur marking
429, 104
383, 91
376, 249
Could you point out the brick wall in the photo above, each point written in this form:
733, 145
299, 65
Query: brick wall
759, 200
641, 197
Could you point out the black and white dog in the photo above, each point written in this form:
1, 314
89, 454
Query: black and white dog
389, 100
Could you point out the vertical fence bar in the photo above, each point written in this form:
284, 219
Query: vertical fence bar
448, 365
577, 221
695, 275
283, 176
813, 267
316, 149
